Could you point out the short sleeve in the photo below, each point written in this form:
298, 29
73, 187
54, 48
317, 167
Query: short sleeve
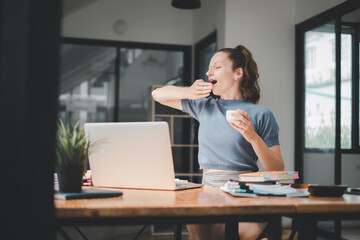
193, 107
269, 129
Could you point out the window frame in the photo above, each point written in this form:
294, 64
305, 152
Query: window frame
333, 14
355, 147
202, 44
186, 49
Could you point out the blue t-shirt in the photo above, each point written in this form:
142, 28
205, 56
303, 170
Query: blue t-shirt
220, 145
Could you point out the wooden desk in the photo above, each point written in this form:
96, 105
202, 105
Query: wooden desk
202, 205
310, 210
206, 205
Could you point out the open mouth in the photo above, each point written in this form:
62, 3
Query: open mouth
213, 82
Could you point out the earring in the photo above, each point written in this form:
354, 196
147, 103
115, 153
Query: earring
235, 78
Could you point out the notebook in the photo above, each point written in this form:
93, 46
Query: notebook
87, 193
132, 155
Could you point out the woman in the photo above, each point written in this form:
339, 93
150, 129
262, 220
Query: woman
228, 147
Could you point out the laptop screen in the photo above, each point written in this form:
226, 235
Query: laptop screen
131, 155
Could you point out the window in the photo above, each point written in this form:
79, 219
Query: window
87, 81
311, 57
327, 95
320, 87
346, 91
104, 81
204, 50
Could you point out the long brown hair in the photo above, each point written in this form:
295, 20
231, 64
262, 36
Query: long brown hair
242, 58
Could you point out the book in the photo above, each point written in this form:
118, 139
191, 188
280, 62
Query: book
268, 176
87, 193
245, 183
258, 190
236, 193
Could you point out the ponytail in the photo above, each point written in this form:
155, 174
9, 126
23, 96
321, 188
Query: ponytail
242, 58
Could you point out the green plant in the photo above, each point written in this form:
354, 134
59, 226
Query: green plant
72, 146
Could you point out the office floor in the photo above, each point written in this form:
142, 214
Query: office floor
350, 230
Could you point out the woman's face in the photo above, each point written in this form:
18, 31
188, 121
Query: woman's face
221, 74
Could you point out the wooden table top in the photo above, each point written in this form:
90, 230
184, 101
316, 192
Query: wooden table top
348, 203
206, 201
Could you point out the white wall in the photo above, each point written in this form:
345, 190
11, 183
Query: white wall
350, 170
154, 21
210, 17
305, 9
266, 28
319, 168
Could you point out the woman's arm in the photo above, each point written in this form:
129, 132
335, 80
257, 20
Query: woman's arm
270, 157
171, 95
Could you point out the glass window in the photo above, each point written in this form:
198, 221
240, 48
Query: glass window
204, 59
94, 88
324, 79
346, 90
311, 57
320, 87
86, 82
139, 70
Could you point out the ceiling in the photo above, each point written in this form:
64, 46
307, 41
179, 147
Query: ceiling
71, 6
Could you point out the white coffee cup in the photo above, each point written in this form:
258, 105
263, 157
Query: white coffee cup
228, 114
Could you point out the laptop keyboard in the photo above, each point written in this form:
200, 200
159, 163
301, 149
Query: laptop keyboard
187, 185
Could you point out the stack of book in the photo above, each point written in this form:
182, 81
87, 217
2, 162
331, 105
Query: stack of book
264, 184
268, 176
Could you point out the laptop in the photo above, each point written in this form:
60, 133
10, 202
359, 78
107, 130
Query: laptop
132, 155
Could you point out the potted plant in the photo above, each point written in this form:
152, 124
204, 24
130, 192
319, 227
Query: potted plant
72, 150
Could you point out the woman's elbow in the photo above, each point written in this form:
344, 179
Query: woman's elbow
155, 94
276, 166
281, 165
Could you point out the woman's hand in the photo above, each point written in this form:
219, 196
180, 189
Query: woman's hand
199, 89
242, 123
270, 157
171, 95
